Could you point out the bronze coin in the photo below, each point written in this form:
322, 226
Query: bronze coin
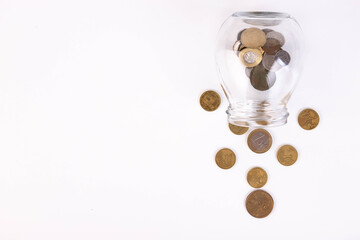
259, 203
308, 119
287, 155
253, 38
210, 100
262, 79
238, 130
239, 34
271, 46
257, 177
259, 141
225, 158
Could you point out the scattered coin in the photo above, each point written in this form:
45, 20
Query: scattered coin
276, 35
308, 119
262, 79
271, 46
225, 158
238, 130
210, 100
250, 57
287, 155
259, 203
283, 57
259, 141
257, 177
248, 71
253, 38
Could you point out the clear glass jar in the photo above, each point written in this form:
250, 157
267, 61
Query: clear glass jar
259, 77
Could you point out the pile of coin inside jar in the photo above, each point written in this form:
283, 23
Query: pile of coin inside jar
258, 203
262, 54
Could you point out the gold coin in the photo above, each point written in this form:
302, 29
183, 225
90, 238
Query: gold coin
259, 203
210, 100
287, 155
257, 177
250, 57
225, 158
259, 141
308, 119
238, 130
253, 38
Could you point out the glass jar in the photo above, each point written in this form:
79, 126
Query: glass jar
259, 58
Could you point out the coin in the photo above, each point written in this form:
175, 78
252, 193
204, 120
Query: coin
276, 35
259, 203
262, 79
308, 119
283, 57
210, 100
250, 57
267, 30
225, 158
257, 177
253, 38
287, 155
271, 46
259, 141
248, 71
268, 61
238, 130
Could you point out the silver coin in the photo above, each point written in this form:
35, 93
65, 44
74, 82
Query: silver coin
250, 57
248, 71
267, 30
276, 35
271, 79
283, 57
269, 63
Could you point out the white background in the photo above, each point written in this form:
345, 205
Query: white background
102, 135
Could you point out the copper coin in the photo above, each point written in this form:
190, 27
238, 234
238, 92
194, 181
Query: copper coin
210, 100
283, 57
259, 203
257, 177
253, 38
238, 130
287, 155
276, 35
225, 158
262, 79
271, 46
308, 119
259, 141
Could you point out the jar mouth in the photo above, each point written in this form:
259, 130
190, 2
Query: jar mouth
261, 14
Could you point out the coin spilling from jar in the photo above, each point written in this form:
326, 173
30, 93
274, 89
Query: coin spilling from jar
262, 54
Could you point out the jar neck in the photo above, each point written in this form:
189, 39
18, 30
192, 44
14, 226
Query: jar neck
257, 114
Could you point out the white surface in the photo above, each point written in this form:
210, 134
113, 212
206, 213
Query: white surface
102, 136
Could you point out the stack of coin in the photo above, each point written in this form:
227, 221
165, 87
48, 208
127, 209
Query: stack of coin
262, 54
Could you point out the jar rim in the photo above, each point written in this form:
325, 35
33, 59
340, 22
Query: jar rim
261, 14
